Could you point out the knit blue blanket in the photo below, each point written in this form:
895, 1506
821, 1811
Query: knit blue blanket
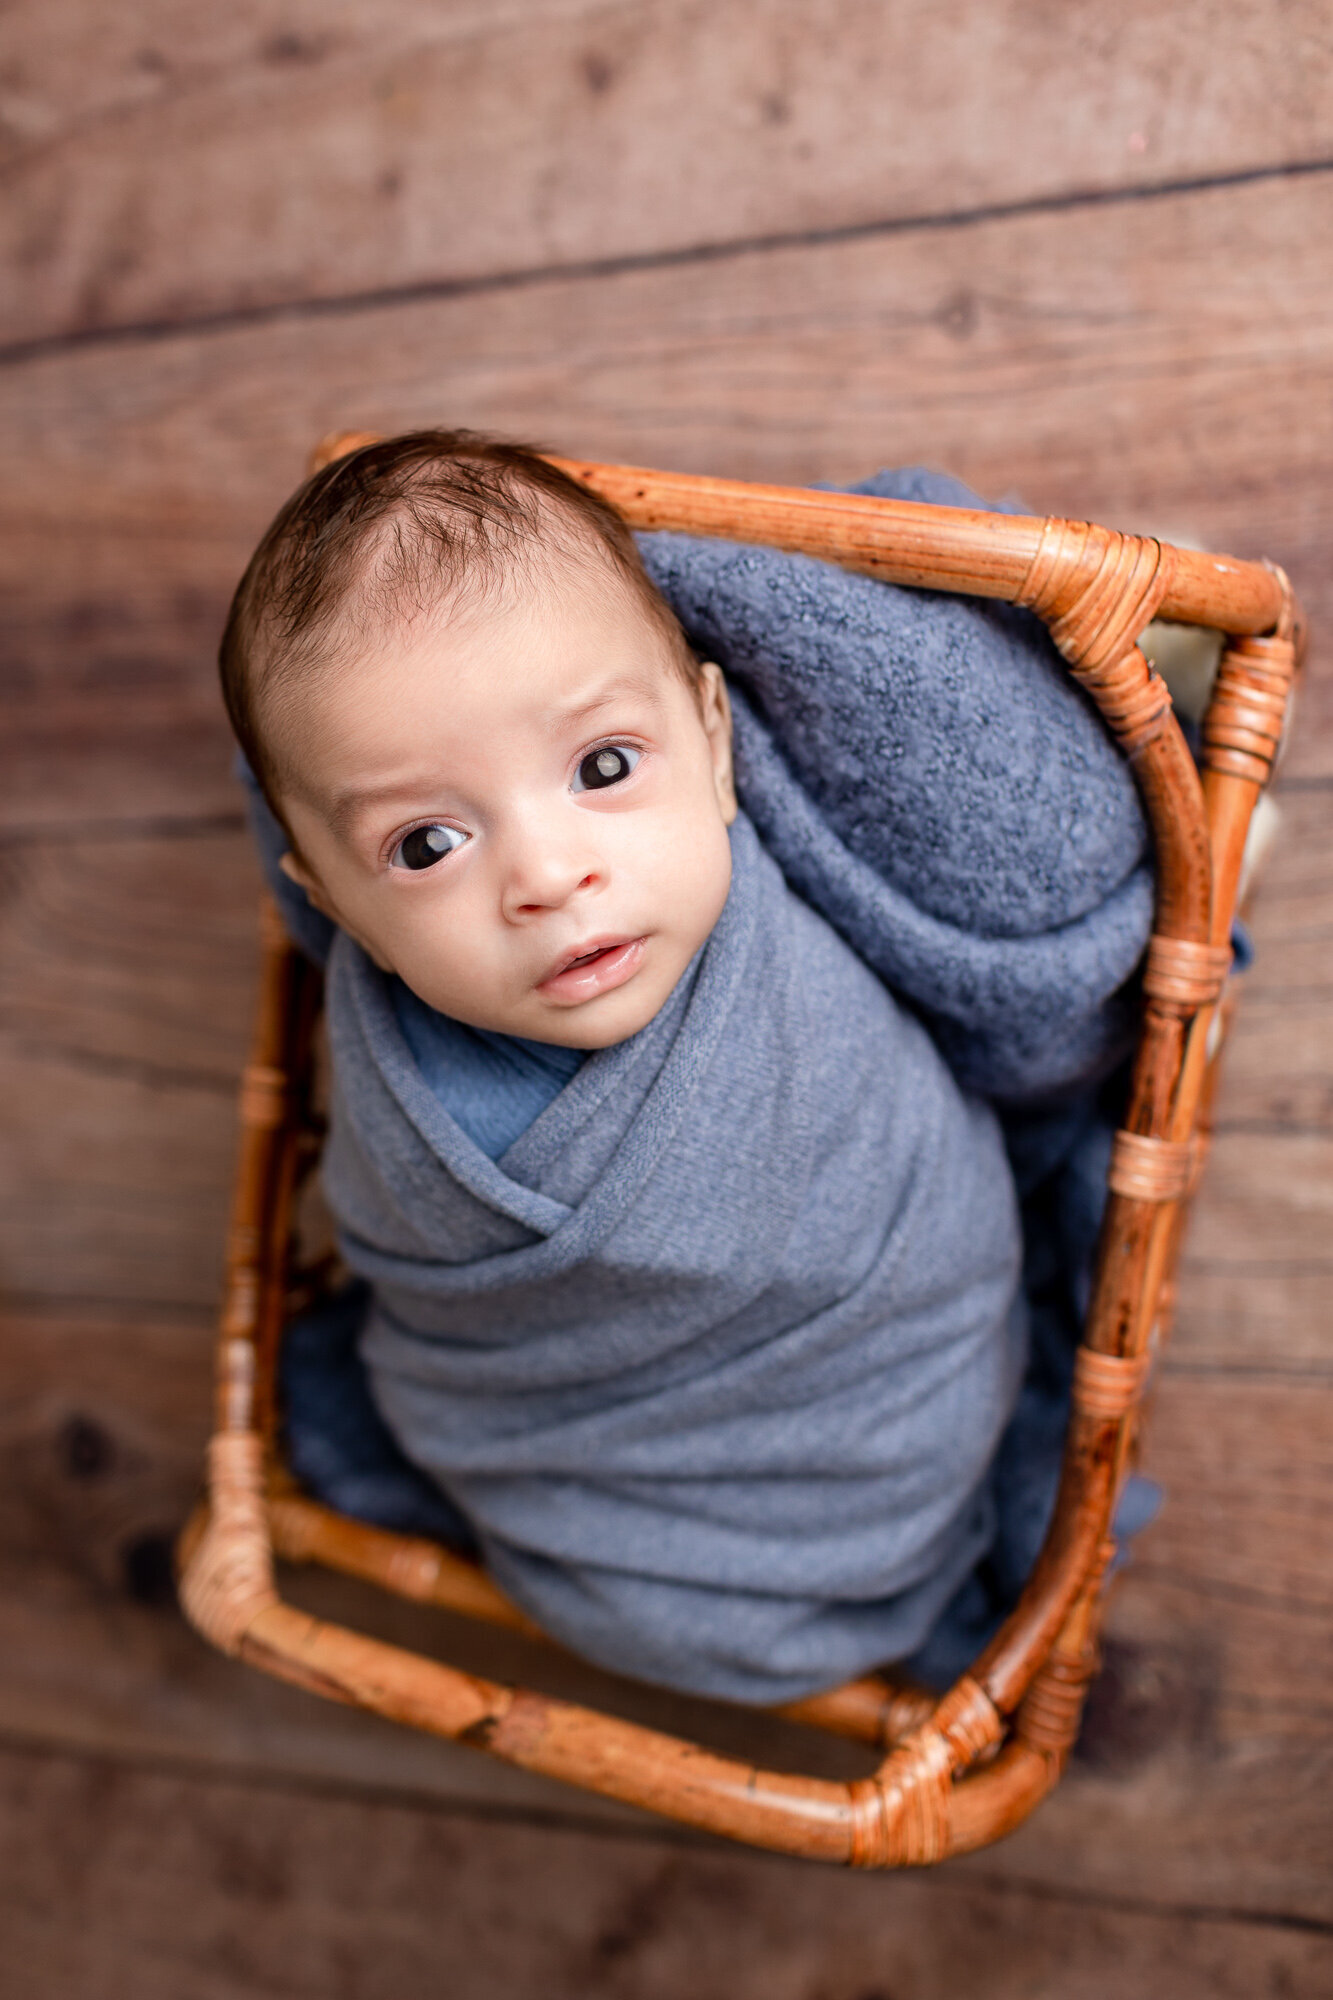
929, 778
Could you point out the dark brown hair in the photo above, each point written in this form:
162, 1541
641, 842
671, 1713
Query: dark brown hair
396, 526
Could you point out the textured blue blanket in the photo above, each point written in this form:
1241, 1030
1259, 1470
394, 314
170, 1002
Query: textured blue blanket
930, 779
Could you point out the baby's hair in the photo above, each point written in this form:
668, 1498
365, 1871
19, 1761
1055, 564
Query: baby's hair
394, 528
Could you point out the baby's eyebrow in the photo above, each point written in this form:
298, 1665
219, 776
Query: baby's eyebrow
344, 810
566, 714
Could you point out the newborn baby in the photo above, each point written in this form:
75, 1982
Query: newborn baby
693, 1271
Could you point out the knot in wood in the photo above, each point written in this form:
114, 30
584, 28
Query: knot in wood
900, 1817
1107, 1386
1148, 1169
1182, 975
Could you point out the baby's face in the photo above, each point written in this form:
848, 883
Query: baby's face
521, 809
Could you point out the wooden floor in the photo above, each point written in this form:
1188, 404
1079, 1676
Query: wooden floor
1076, 252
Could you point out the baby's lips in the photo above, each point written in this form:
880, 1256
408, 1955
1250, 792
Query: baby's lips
600, 968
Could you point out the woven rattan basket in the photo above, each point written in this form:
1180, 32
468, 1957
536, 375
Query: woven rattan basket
960, 1770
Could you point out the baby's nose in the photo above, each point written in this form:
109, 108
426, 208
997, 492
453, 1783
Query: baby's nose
544, 877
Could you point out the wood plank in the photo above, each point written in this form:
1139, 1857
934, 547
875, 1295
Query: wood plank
125, 1001
113, 1182
1291, 919
1277, 1074
1248, 1463
1216, 1699
190, 1891
108, 669
1269, 1202
132, 953
176, 167
105, 1422
1252, 1312
1162, 362
1043, 353
1214, 1673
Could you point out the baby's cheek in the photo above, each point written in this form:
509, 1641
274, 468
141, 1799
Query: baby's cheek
699, 885
394, 944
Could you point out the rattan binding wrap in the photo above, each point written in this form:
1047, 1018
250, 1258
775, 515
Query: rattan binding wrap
963, 1769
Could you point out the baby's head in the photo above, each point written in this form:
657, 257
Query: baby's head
500, 766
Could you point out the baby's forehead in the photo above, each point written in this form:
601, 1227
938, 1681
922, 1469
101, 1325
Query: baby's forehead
595, 640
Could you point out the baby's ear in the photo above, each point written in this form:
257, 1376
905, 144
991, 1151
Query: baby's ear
305, 878
715, 706
296, 871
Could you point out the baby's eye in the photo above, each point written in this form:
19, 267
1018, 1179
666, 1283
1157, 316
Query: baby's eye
426, 845
606, 766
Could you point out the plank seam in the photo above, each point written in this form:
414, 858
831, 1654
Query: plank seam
159, 1764
431, 289
1274, 1372
64, 1306
163, 826
128, 1069
1230, 1593
1272, 1128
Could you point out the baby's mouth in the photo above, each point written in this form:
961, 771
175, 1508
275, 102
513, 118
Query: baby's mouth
601, 966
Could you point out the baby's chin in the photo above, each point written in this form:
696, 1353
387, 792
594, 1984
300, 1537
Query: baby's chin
598, 1024
589, 1027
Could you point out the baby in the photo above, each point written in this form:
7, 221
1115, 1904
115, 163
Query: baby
693, 1272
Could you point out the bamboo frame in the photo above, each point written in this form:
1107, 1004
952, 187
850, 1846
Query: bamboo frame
966, 1768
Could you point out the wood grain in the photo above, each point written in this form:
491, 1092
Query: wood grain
1041, 353
215, 1890
106, 1416
110, 1182
166, 165
127, 970
1223, 1614
135, 954
1249, 1469
1157, 360
1248, 1310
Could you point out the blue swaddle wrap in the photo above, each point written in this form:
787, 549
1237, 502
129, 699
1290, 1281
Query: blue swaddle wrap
927, 779
493, 1085
716, 1356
